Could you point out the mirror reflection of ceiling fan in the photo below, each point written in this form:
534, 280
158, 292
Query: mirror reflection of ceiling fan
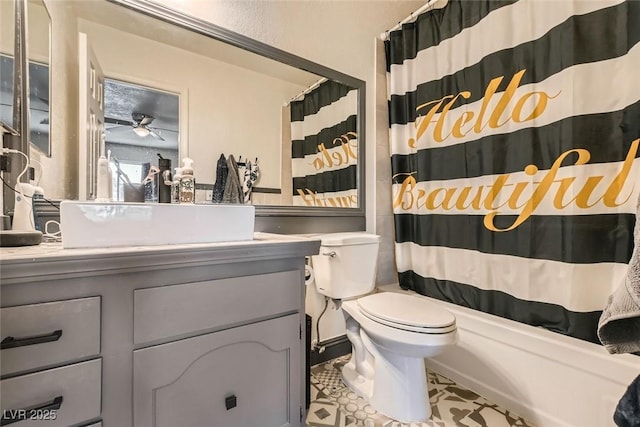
139, 125
40, 104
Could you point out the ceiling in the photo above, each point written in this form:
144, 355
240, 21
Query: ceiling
127, 20
122, 99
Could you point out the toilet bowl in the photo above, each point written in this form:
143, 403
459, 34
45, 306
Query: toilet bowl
389, 369
390, 333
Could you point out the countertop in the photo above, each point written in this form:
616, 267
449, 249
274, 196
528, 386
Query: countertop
17, 264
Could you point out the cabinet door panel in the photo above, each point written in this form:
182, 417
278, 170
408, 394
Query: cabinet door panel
186, 383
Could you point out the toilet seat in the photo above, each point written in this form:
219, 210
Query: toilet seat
407, 312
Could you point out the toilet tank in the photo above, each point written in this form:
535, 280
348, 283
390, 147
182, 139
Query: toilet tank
346, 265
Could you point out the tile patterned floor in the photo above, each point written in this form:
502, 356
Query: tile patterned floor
333, 404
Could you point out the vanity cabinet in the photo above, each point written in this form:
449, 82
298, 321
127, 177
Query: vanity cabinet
183, 335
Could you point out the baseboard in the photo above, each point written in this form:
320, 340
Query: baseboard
334, 347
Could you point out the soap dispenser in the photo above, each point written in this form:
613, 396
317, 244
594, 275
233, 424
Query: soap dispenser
175, 186
164, 179
187, 182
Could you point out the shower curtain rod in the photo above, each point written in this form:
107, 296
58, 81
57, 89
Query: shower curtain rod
385, 35
306, 91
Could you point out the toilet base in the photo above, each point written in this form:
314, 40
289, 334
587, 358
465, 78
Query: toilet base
356, 382
398, 387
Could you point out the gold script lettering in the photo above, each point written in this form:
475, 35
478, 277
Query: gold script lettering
311, 198
327, 159
498, 115
483, 197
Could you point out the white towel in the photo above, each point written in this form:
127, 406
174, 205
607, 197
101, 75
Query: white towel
619, 326
251, 175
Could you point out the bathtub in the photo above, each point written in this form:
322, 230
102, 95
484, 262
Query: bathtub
548, 378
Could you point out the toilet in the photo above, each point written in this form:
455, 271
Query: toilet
390, 333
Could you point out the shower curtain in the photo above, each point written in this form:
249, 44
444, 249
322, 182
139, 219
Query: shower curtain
514, 132
324, 147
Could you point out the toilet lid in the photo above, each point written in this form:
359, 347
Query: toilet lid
407, 312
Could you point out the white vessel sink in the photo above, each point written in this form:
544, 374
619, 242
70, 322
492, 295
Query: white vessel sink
100, 225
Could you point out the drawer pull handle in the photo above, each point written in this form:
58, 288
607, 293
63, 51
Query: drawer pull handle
230, 402
11, 342
11, 416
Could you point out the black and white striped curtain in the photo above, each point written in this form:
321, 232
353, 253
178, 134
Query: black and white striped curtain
324, 147
514, 130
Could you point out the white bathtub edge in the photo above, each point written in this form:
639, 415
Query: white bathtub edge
553, 380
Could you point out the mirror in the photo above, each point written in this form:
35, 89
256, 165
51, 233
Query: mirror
235, 96
38, 35
7, 29
39, 54
141, 127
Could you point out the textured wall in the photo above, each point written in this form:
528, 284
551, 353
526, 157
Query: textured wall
384, 213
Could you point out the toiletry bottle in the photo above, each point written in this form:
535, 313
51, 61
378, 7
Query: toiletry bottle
175, 186
110, 174
187, 182
164, 180
103, 191
150, 183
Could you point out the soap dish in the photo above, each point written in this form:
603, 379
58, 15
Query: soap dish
13, 238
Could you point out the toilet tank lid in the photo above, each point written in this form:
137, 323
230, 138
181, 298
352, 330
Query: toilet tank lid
347, 238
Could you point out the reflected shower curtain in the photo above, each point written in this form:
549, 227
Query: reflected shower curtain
514, 131
324, 147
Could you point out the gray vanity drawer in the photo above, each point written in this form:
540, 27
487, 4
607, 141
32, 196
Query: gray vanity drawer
78, 384
169, 311
78, 319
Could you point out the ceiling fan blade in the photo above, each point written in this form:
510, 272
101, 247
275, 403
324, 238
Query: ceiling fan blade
146, 120
118, 129
155, 135
39, 102
120, 122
